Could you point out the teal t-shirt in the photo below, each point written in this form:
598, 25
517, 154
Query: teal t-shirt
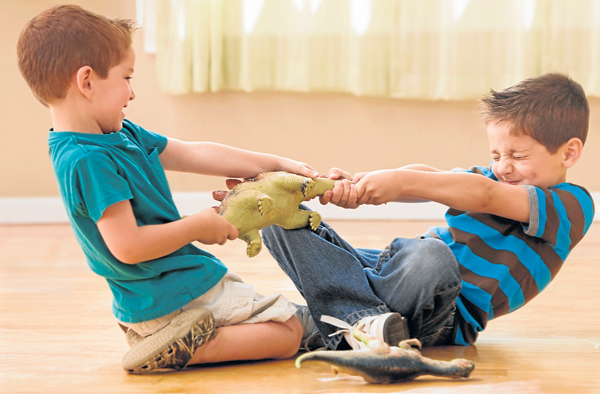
93, 172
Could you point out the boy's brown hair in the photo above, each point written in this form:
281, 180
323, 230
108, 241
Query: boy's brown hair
551, 109
59, 41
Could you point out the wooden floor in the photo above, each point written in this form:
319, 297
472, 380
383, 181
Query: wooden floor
57, 334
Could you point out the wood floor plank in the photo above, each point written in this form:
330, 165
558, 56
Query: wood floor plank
57, 334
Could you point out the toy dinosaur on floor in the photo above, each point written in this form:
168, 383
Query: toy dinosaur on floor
384, 364
270, 198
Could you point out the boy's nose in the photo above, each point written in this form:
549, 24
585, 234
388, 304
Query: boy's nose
504, 166
131, 94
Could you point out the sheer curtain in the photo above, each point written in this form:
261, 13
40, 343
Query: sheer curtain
418, 49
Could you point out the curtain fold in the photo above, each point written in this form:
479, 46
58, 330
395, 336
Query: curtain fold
415, 49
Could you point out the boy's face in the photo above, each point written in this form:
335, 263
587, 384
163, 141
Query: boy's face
113, 94
521, 160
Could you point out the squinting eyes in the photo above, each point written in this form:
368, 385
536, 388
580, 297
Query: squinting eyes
496, 158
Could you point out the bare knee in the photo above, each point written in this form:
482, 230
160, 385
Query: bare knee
295, 332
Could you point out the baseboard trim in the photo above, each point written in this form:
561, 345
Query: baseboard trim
50, 210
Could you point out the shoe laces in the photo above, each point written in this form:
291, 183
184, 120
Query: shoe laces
342, 325
366, 324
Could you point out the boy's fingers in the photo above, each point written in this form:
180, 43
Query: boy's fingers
326, 197
346, 195
360, 194
337, 193
339, 174
353, 196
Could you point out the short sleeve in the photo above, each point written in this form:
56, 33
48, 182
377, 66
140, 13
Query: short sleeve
560, 215
145, 138
97, 185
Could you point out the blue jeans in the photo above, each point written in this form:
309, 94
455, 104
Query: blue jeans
418, 278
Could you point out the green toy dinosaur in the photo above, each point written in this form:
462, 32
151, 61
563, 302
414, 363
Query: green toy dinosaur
384, 364
270, 198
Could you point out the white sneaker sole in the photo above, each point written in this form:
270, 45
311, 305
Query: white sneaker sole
141, 357
394, 330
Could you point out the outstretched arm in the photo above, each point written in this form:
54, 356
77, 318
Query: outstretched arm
221, 160
462, 191
134, 244
344, 192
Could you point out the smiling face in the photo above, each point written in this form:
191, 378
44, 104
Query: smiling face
113, 94
518, 159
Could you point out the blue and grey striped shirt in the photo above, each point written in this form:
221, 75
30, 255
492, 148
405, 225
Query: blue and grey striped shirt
505, 263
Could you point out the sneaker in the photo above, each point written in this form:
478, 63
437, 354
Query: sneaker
390, 328
311, 338
173, 346
133, 338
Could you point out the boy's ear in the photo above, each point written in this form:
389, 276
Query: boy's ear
572, 152
84, 80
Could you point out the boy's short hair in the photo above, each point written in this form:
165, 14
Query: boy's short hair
59, 41
551, 109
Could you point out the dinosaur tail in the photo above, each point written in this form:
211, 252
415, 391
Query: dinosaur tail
457, 368
326, 356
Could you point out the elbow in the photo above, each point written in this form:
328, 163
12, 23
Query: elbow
126, 255
127, 259
128, 246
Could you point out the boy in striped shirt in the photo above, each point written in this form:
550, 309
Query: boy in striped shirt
510, 226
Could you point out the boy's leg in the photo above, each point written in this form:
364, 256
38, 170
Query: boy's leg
329, 273
420, 279
417, 278
186, 342
249, 326
252, 341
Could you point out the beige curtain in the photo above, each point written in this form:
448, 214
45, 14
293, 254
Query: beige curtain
417, 49
571, 42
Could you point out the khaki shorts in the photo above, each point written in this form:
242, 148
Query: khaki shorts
232, 302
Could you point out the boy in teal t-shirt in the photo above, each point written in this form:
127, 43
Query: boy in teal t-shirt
170, 297
95, 171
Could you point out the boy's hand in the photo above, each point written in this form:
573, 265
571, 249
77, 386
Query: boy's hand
377, 187
303, 169
213, 228
344, 191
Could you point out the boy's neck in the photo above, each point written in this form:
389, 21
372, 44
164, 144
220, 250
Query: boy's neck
68, 116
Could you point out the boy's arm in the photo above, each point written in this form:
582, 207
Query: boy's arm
459, 190
132, 244
415, 167
221, 160
344, 194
